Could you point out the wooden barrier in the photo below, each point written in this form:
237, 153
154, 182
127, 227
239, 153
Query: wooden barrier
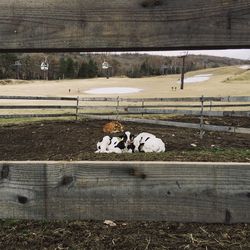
53, 25
166, 191
229, 129
108, 111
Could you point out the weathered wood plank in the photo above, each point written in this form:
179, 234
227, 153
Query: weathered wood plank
167, 191
121, 107
114, 99
55, 98
37, 107
35, 115
170, 99
123, 25
230, 129
189, 112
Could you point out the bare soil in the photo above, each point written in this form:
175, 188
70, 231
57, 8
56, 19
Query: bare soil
71, 140
96, 235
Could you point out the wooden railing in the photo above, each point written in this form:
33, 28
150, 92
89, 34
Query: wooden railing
124, 108
165, 191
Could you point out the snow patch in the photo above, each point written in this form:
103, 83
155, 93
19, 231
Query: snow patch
113, 90
198, 78
247, 67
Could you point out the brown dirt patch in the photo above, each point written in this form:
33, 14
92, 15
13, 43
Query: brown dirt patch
70, 140
126, 235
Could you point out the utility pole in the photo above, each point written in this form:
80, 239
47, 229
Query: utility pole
18, 67
183, 69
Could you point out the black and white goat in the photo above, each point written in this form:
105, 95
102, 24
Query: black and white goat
128, 140
122, 144
151, 145
102, 146
141, 138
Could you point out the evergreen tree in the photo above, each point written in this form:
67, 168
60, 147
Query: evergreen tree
70, 71
83, 70
7, 68
92, 69
62, 67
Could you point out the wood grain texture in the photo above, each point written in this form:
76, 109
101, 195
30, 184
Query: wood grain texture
188, 112
230, 129
36, 115
167, 191
123, 25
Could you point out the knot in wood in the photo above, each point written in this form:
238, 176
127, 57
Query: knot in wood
22, 199
67, 180
5, 171
136, 173
151, 3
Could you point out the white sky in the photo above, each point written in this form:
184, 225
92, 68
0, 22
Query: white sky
235, 53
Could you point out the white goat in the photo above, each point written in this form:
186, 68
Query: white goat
141, 138
102, 146
116, 146
152, 145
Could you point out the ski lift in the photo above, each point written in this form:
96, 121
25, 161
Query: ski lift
18, 63
105, 65
45, 66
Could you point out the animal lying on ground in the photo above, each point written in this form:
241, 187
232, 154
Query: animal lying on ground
152, 145
102, 146
113, 145
141, 138
127, 143
128, 138
113, 127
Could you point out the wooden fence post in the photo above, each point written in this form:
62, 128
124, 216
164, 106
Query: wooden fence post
142, 106
210, 105
202, 131
117, 108
77, 107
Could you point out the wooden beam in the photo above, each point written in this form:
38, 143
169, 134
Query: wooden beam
35, 115
37, 107
86, 25
189, 112
165, 191
229, 129
51, 98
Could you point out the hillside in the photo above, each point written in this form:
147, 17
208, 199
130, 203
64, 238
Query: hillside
88, 65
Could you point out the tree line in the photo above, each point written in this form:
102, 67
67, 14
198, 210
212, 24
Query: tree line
75, 65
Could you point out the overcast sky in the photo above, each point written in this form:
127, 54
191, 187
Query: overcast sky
236, 53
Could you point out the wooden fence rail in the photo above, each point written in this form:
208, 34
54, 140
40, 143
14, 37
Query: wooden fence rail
53, 25
171, 99
229, 129
82, 109
165, 191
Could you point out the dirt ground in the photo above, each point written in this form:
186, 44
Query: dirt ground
71, 140
96, 235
